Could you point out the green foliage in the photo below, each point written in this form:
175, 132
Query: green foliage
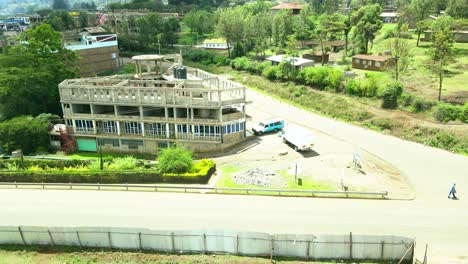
390, 94
205, 57
60, 20
448, 112
270, 72
199, 21
30, 73
321, 77
383, 123
175, 160
126, 163
368, 22
42, 163
154, 29
243, 64
457, 8
25, 133
444, 140
420, 104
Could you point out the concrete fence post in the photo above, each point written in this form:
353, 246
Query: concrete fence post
308, 250
382, 245
139, 241
237, 244
173, 241
79, 239
71, 186
22, 235
52, 243
272, 249
110, 240
350, 245
204, 243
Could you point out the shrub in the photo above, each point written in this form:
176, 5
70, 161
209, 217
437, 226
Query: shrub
384, 123
126, 163
463, 116
175, 160
390, 94
203, 56
407, 99
25, 133
262, 66
270, 72
420, 105
353, 87
371, 85
220, 60
5, 164
299, 91
447, 112
321, 77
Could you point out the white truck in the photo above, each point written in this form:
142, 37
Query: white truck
298, 137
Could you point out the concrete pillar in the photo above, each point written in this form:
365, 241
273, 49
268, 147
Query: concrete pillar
94, 127
141, 109
74, 125
117, 124
116, 113
143, 128
167, 130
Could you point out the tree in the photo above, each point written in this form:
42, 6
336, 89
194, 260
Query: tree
368, 22
60, 5
282, 27
390, 94
457, 8
328, 27
399, 48
346, 29
199, 21
83, 19
326, 6
60, 20
421, 10
26, 133
175, 160
442, 40
231, 26
303, 24
149, 27
30, 73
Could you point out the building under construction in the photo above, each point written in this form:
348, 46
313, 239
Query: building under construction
162, 104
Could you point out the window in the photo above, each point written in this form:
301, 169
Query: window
206, 131
377, 64
69, 122
234, 128
84, 125
157, 129
132, 144
183, 129
133, 128
108, 141
109, 127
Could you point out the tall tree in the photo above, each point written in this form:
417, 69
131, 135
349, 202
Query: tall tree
231, 26
368, 22
282, 28
60, 5
457, 8
399, 48
328, 27
421, 10
442, 40
60, 20
30, 73
303, 24
326, 6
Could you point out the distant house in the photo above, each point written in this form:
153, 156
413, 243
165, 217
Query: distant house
460, 36
295, 8
97, 48
316, 56
370, 62
389, 17
299, 63
215, 44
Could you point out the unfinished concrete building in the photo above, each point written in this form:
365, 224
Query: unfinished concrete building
163, 103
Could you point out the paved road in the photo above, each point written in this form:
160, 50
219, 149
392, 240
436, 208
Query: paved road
431, 217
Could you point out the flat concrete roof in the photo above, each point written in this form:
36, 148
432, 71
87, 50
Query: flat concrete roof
150, 57
297, 61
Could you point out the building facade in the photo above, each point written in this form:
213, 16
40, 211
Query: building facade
97, 49
370, 62
152, 109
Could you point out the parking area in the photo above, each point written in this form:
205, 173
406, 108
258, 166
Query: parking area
328, 166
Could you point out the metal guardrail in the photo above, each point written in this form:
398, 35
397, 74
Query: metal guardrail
200, 189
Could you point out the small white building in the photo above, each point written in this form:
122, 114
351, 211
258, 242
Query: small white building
216, 44
298, 62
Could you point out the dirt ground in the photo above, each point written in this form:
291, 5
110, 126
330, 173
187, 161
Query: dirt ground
329, 163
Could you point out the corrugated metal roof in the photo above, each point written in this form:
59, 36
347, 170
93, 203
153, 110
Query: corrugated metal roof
94, 30
288, 6
370, 57
297, 61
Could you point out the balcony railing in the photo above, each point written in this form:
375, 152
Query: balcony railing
84, 130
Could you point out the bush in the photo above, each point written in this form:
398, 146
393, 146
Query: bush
262, 66
270, 72
384, 123
420, 105
321, 77
463, 116
175, 160
447, 112
60, 164
202, 56
126, 163
390, 94
243, 64
25, 133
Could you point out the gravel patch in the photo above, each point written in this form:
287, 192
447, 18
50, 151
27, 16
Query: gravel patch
259, 177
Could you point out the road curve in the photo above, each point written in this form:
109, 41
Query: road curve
430, 218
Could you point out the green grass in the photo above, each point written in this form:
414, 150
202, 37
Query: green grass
74, 255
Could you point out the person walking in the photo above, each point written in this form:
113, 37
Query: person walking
452, 192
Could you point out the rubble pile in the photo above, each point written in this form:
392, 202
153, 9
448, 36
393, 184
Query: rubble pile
257, 176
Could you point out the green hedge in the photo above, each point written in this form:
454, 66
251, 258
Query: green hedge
43, 163
200, 173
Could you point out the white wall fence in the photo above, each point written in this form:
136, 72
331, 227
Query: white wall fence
345, 247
